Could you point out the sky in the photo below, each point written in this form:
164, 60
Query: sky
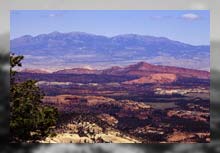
188, 26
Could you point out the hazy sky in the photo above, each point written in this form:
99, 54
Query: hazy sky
191, 27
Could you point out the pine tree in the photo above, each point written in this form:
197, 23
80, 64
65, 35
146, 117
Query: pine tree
30, 120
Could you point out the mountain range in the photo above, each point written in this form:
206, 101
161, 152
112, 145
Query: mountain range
79, 49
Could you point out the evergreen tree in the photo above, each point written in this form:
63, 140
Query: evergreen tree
30, 120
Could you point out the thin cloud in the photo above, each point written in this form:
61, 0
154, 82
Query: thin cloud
190, 17
54, 15
51, 15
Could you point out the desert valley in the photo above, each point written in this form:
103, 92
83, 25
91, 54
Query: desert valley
139, 103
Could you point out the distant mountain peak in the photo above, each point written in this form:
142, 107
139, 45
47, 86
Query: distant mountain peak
27, 36
55, 32
24, 38
79, 33
141, 66
142, 63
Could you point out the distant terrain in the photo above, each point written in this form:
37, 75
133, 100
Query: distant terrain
138, 103
55, 51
